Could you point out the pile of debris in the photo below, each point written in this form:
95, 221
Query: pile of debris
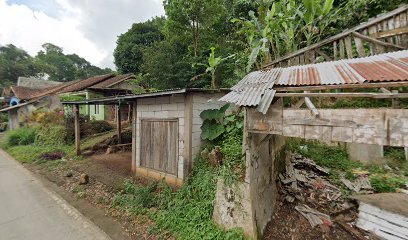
322, 203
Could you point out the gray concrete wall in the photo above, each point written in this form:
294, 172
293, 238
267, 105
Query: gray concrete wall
366, 153
232, 207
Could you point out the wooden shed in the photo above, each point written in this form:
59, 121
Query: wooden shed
166, 129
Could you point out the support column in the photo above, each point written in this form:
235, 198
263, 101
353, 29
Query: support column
77, 130
251, 204
119, 123
406, 153
134, 135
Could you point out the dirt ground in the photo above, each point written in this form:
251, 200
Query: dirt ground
110, 169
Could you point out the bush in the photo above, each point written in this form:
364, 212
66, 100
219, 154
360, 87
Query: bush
386, 183
20, 136
187, 213
100, 126
51, 135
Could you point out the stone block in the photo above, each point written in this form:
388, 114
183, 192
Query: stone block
169, 107
163, 100
366, 153
155, 107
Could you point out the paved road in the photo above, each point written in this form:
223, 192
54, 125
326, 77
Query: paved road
29, 211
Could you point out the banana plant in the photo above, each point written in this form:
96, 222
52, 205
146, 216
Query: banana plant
315, 11
211, 67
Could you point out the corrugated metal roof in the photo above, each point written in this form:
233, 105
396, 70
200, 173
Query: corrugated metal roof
255, 88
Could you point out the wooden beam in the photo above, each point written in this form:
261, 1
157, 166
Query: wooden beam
384, 90
376, 41
119, 123
299, 103
324, 55
393, 32
134, 134
312, 107
345, 95
340, 86
77, 130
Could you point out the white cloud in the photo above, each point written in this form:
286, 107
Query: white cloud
87, 28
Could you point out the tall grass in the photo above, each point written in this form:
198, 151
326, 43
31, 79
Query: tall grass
20, 136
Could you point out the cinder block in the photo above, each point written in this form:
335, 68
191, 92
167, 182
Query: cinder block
155, 107
146, 101
163, 100
169, 107
147, 114
181, 106
161, 114
196, 129
177, 98
142, 107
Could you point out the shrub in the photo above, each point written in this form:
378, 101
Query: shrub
100, 126
386, 183
44, 118
20, 136
51, 135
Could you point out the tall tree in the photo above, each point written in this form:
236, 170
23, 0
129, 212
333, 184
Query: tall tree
130, 45
14, 62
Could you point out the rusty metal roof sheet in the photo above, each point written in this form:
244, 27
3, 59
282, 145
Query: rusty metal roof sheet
255, 88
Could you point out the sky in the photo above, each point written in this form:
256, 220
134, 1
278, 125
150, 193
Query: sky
88, 28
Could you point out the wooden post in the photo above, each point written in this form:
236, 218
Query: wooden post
119, 123
134, 135
77, 130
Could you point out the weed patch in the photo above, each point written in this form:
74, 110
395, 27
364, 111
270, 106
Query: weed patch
187, 213
19, 136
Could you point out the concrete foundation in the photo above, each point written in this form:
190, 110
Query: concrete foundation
233, 207
366, 153
251, 204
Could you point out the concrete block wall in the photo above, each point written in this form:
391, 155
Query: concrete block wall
201, 102
165, 107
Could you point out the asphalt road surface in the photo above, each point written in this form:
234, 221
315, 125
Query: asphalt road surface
30, 211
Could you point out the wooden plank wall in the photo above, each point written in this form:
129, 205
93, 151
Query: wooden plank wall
388, 127
386, 33
159, 148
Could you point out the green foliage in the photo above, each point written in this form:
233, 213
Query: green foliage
211, 67
100, 126
187, 212
283, 26
213, 123
51, 135
3, 117
32, 153
130, 45
386, 183
226, 132
15, 62
20, 136
69, 97
333, 157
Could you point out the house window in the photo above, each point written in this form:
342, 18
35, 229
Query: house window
96, 109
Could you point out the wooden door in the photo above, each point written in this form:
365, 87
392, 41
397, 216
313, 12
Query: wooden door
159, 145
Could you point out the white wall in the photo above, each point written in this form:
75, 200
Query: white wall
201, 102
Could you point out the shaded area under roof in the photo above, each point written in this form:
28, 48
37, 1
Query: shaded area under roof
257, 88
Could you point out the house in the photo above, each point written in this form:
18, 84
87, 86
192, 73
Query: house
166, 129
24, 99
